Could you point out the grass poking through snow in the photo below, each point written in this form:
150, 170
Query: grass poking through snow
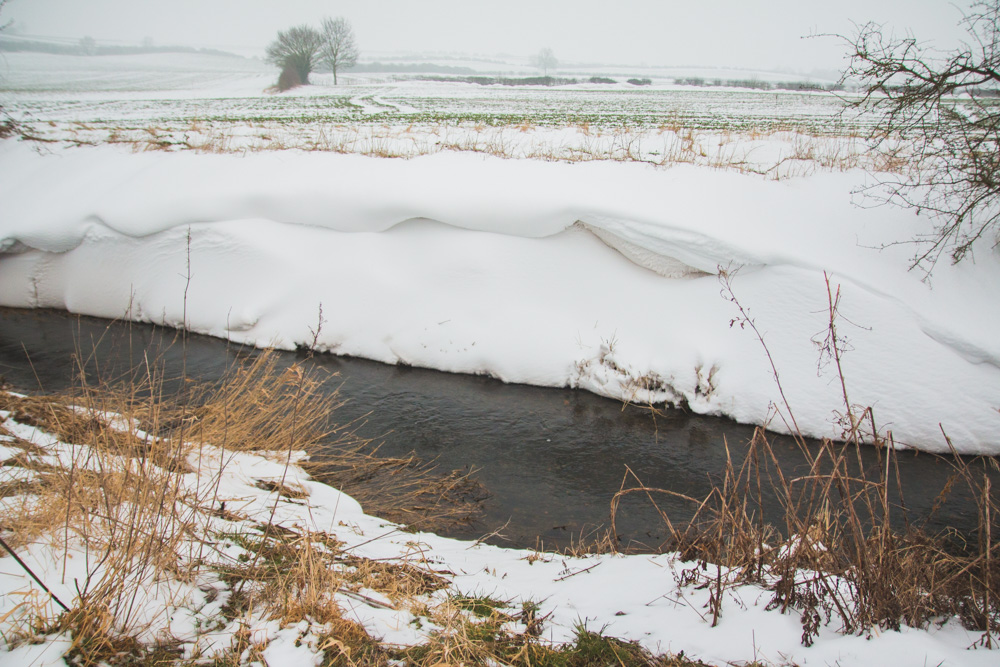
127, 486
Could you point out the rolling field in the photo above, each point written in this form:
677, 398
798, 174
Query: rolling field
218, 104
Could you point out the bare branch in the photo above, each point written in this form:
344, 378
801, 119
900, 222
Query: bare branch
946, 109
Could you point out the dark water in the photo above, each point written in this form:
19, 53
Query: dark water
551, 459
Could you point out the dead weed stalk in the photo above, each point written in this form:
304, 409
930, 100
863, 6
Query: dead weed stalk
120, 480
839, 553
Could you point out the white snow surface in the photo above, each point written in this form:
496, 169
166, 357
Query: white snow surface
597, 275
636, 597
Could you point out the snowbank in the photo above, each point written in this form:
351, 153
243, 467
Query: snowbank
594, 275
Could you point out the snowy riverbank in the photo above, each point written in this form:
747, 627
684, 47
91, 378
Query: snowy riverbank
596, 275
405, 589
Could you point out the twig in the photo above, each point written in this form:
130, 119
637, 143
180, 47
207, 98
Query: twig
494, 533
573, 574
367, 600
744, 320
33, 575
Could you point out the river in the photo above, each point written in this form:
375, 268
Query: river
551, 459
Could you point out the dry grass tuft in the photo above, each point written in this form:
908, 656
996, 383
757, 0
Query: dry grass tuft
292, 577
347, 644
405, 490
96, 641
112, 478
264, 408
296, 577
477, 631
257, 407
838, 554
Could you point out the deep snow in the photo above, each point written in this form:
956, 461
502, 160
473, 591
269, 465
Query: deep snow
597, 275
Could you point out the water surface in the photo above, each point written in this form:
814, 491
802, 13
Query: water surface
551, 459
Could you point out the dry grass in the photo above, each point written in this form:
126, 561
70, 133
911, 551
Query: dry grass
480, 631
120, 490
796, 152
404, 490
296, 577
260, 407
839, 553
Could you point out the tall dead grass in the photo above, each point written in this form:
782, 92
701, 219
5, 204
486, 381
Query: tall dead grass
799, 152
844, 548
124, 482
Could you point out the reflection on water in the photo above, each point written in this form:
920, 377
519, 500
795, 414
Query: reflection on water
552, 459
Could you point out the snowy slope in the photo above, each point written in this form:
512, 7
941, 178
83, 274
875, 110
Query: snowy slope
598, 275
150, 76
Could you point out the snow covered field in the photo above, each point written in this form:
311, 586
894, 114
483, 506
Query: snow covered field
598, 274
218, 104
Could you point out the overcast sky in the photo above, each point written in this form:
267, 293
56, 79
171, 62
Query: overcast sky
757, 34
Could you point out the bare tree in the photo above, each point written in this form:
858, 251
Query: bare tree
339, 48
942, 107
88, 45
296, 49
545, 60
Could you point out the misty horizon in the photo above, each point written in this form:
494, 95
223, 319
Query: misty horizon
781, 36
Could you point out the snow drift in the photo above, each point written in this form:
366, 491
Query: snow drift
595, 275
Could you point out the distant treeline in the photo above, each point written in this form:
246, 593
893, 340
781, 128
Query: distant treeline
528, 80
757, 84
428, 68
95, 49
804, 86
